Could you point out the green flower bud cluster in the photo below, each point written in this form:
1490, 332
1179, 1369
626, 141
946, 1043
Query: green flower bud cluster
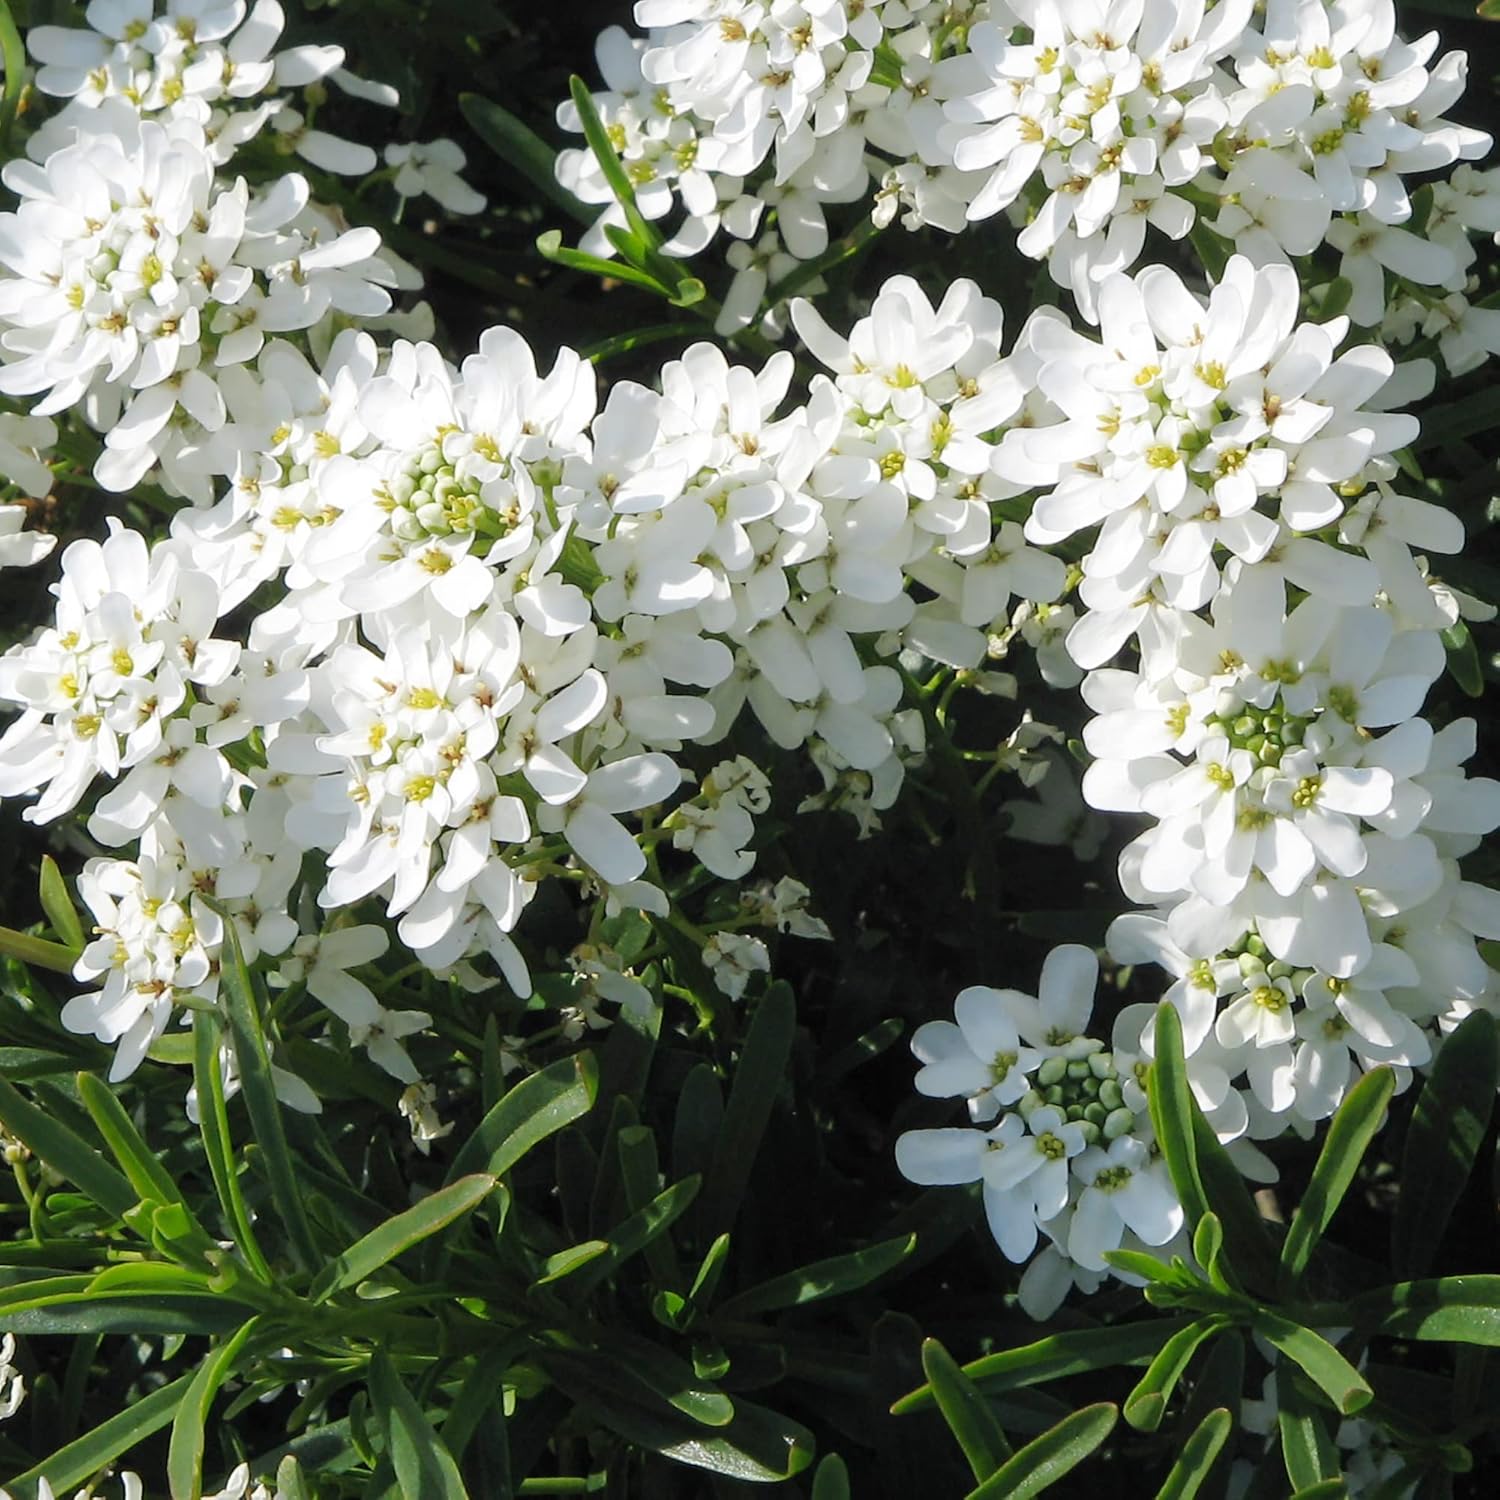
1265, 733
1087, 1091
428, 499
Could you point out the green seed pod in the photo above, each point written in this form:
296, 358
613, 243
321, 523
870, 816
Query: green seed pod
1111, 1096
1102, 1065
1120, 1122
1090, 1132
1095, 1114
1079, 1069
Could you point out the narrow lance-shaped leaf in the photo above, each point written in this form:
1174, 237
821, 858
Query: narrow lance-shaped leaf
1446, 1309
967, 1413
1307, 1446
1318, 1359
254, 1060
185, 1451
752, 1096
1196, 1460
213, 1125
400, 1233
1171, 1101
66, 1153
1058, 1355
142, 1168
831, 1479
610, 164
58, 905
1452, 1114
1349, 1135
1147, 1403
518, 146
639, 1230
37, 952
825, 1278
1044, 1460
527, 1114
86, 1456
423, 1465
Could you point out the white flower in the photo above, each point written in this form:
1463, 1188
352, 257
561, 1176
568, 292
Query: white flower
20, 548
1124, 1188
433, 168
732, 958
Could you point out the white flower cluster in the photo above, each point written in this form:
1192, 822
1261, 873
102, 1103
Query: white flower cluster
141, 281
1088, 122
1061, 1139
500, 615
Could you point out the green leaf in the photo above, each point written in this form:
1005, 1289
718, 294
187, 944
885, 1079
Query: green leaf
1171, 1104
1194, 1463
400, 1232
1451, 1309
825, 1278
86, 1456
141, 1314
1319, 1360
1329, 1489
1464, 665
185, 1452
424, 1467
67, 1154
1442, 1142
1349, 1135
1248, 1249
757, 1081
142, 1168
527, 1114
758, 1445
218, 1146
58, 905
1058, 1355
14, 54
831, 1479
1044, 1460
254, 1061
610, 165
1307, 1446
565, 1263
636, 338
638, 1231
37, 952
1147, 1403
668, 1377
965, 1410
518, 146
1336, 298
551, 247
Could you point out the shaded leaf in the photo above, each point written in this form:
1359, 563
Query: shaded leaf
400, 1233
1198, 1456
422, 1463
824, 1278
965, 1410
1318, 1359
185, 1451
1451, 1116
1044, 1460
1058, 1355
1349, 1134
